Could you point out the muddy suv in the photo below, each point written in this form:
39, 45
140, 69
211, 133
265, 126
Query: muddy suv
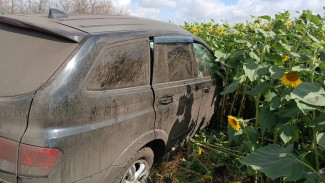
97, 98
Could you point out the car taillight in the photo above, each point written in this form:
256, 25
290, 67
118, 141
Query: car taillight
33, 161
37, 161
8, 155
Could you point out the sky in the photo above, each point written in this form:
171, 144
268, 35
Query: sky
231, 11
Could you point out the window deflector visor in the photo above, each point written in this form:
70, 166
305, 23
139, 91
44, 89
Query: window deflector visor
173, 39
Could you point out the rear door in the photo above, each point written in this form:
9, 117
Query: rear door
177, 91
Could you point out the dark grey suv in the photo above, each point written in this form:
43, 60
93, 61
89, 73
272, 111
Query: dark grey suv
97, 98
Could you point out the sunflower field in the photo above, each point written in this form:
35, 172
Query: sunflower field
270, 124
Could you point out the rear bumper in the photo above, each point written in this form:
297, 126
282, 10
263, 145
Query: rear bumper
32, 180
7, 178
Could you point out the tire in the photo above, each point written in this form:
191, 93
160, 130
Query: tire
138, 167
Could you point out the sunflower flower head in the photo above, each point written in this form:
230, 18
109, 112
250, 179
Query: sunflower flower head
221, 31
234, 123
208, 177
210, 28
296, 59
258, 21
195, 31
291, 79
200, 151
285, 58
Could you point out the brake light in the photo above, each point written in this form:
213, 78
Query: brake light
37, 161
33, 161
8, 155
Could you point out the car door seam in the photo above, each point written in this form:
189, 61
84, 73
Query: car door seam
151, 79
21, 138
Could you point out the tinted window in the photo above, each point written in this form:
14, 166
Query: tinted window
28, 58
122, 66
203, 59
176, 59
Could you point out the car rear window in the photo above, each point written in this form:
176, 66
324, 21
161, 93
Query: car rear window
28, 58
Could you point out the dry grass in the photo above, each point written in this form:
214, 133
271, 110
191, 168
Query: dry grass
175, 170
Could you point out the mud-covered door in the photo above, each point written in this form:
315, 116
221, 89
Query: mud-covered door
177, 97
204, 58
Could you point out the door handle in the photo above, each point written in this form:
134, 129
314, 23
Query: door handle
167, 99
207, 89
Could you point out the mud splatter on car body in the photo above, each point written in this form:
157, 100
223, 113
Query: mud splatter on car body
128, 83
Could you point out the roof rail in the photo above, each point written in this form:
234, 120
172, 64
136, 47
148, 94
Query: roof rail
54, 14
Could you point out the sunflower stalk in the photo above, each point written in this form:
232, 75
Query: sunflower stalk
223, 104
257, 107
315, 132
234, 101
275, 141
314, 146
218, 150
243, 97
220, 147
258, 97
312, 169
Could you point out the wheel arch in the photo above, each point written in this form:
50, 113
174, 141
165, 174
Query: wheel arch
155, 139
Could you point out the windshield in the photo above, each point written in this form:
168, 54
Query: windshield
28, 58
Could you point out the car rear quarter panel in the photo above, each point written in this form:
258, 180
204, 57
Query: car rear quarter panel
91, 129
13, 115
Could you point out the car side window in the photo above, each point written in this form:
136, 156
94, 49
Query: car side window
177, 59
203, 59
122, 66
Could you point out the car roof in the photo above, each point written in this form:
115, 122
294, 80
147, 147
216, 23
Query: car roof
77, 27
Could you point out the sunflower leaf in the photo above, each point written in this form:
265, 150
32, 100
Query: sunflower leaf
321, 139
287, 131
305, 108
274, 100
265, 17
254, 70
276, 161
318, 122
230, 88
290, 110
322, 56
267, 119
235, 135
309, 93
276, 72
313, 38
258, 89
313, 178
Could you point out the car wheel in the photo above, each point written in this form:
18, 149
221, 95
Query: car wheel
138, 168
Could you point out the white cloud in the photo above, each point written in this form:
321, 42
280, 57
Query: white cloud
137, 10
157, 4
205, 10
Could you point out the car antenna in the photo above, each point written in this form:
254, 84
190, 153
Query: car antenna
54, 14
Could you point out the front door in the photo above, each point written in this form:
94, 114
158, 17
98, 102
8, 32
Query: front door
177, 92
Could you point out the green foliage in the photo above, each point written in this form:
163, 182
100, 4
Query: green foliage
276, 161
321, 139
230, 88
275, 78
